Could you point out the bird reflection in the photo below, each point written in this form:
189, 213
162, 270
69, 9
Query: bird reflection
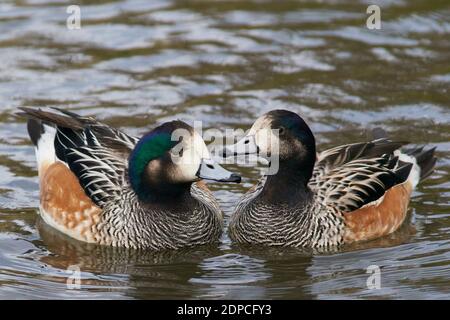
252, 272
139, 274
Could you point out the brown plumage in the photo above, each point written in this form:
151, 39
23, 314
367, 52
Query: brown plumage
66, 205
380, 217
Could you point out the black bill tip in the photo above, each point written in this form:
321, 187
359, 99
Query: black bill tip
224, 153
233, 178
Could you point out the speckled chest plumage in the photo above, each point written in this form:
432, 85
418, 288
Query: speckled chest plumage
127, 223
311, 224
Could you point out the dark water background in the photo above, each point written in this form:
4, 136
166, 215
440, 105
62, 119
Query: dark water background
135, 64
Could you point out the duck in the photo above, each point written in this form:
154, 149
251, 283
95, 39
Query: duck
100, 185
323, 200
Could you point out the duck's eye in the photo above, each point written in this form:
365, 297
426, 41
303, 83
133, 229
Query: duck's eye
281, 131
181, 152
210, 166
246, 141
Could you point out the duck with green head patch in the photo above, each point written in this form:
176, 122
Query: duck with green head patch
102, 186
348, 193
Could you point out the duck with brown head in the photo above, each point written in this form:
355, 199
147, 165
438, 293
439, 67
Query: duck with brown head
349, 193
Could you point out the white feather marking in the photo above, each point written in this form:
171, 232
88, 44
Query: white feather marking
414, 175
45, 149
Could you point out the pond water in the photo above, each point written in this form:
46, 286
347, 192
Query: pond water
137, 63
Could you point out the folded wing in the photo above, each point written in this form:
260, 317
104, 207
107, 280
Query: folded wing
96, 153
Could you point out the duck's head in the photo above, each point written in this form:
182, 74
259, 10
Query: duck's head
281, 135
167, 160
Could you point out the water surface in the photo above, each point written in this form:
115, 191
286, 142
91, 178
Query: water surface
135, 64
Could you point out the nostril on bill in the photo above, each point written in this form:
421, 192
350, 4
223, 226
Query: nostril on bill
235, 178
224, 153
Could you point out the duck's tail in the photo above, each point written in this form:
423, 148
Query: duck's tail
42, 135
423, 160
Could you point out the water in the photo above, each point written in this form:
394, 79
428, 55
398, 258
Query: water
135, 64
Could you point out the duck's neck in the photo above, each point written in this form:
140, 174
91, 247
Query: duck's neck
171, 193
160, 192
289, 185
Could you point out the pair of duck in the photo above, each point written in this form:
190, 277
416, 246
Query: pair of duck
100, 185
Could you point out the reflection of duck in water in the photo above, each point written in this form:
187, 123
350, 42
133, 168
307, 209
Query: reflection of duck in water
102, 186
349, 193
132, 272
286, 270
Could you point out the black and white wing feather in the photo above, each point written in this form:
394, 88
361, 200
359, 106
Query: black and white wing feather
96, 153
349, 176
340, 155
100, 172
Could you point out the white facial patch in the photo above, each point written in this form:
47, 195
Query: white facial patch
268, 142
187, 155
262, 122
266, 139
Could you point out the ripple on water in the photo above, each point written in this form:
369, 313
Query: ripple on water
137, 63
231, 274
